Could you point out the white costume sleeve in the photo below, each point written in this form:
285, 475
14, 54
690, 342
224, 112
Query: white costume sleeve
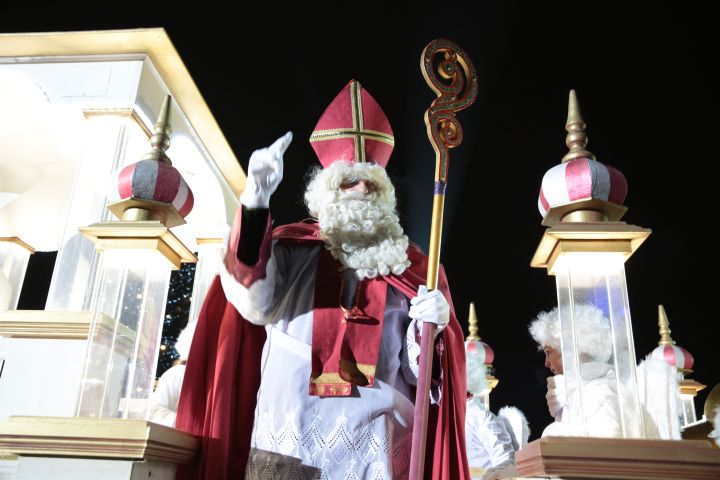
164, 400
599, 415
488, 442
258, 301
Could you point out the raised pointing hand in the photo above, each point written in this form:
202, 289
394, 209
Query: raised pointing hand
265, 171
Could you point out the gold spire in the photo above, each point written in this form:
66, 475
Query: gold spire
472, 324
576, 137
664, 327
160, 140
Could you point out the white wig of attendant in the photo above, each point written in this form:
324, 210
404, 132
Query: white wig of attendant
362, 231
594, 340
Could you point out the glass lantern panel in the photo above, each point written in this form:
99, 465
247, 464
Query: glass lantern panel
688, 413
125, 334
111, 142
597, 346
13, 264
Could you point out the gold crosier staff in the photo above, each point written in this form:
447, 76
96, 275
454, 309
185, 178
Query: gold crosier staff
444, 131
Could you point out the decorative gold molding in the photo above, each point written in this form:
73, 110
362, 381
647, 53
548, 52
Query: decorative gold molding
57, 325
201, 241
133, 209
101, 438
17, 241
152, 235
587, 237
491, 381
45, 324
586, 457
154, 44
689, 386
119, 112
612, 212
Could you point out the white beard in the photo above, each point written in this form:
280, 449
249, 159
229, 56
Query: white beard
363, 233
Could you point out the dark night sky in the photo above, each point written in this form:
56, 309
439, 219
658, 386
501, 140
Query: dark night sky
642, 77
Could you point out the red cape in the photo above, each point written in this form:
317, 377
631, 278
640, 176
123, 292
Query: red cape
222, 377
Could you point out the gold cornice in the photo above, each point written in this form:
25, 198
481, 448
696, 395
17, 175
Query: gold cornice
45, 324
491, 381
149, 234
153, 43
569, 237
17, 241
690, 387
119, 112
58, 325
102, 438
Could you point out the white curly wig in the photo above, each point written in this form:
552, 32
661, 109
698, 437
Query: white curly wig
592, 326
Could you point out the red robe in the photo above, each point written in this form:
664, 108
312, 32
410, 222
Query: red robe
222, 376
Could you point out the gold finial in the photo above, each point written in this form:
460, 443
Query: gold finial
160, 140
472, 324
576, 137
664, 327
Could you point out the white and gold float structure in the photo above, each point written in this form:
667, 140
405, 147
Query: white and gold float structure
585, 247
77, 113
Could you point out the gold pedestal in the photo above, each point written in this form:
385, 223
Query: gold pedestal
99, 438
631, 459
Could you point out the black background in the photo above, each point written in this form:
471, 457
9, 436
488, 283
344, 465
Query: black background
642, 73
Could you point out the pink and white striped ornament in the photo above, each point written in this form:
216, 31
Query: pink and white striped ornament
481, 349
153, 180
581, 179
676, 356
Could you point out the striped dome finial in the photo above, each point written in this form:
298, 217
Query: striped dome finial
580, 184
474, 346
152, 188
666, 350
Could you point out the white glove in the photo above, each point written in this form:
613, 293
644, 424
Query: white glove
556, 396
430, 307
496, 473
265, 171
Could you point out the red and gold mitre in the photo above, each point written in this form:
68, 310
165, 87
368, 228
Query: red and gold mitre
353, 128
